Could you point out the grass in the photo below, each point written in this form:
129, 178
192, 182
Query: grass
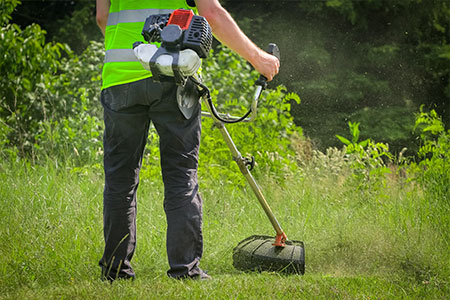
360, 244
239, 286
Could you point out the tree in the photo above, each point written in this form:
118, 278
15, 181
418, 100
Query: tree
45, 89
373, 62
70, 22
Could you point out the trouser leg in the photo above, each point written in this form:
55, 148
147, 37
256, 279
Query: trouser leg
124, 141
179, 148
126, 127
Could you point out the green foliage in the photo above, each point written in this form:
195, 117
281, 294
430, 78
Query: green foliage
49, 96
341, 79
433, 169
353, 145
394, 125
268, 138
367, 159
6, 8
79, 28
370, 163
431, 125
69, 22
76, 126
29, 69
373, 62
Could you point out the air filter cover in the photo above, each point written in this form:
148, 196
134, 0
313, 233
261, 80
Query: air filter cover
198, 36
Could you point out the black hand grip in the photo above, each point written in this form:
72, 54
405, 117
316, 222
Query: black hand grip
275, 51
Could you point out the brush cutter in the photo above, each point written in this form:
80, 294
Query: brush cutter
185, 38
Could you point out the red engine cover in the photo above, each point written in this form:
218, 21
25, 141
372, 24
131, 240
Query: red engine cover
181, 17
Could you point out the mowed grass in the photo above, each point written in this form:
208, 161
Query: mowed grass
360, 244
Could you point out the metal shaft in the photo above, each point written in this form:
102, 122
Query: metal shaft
244, 170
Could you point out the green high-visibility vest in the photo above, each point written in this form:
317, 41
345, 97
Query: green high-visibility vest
125, 22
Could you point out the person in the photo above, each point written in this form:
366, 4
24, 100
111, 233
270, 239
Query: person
131, 101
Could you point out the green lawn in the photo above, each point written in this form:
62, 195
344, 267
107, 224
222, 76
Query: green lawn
239, 286
381, 243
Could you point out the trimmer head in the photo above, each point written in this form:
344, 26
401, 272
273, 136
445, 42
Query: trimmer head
257, 253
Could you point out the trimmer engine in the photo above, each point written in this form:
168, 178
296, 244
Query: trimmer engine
184, 38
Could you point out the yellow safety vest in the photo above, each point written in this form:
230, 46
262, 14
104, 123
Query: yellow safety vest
125, 22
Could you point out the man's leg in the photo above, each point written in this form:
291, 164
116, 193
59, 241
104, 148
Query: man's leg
179, 147
124, 140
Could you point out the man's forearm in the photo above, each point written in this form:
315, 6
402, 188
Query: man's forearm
228, 32
102, 14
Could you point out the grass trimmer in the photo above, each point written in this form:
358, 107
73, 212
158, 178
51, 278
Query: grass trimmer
258, 252
185, 38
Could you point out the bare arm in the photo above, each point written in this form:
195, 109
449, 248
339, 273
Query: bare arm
228, 32
102, 14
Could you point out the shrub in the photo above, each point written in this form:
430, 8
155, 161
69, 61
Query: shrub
77, 126
50, 107
268, 138
29, 69
49, 96
432, 172
433, 169
368, 159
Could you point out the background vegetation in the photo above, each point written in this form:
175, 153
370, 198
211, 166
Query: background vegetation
373, 62
359, 169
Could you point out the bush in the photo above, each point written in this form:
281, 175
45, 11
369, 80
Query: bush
268, 138
53, 108
367, 158
433, 169
49, 96
77, 126
28, 69
432, 172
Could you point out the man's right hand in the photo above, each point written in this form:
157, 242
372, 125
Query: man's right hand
266, 64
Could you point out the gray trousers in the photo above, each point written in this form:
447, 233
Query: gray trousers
128, 111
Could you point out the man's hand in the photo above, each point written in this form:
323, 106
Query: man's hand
267, 65
228, 32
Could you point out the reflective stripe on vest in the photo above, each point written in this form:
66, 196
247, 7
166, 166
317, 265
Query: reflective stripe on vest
137, 15
119, 55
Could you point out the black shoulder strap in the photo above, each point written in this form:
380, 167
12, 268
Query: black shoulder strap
191, 3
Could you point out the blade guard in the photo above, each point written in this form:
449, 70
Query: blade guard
256, 253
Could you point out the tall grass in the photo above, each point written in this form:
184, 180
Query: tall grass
360, 244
